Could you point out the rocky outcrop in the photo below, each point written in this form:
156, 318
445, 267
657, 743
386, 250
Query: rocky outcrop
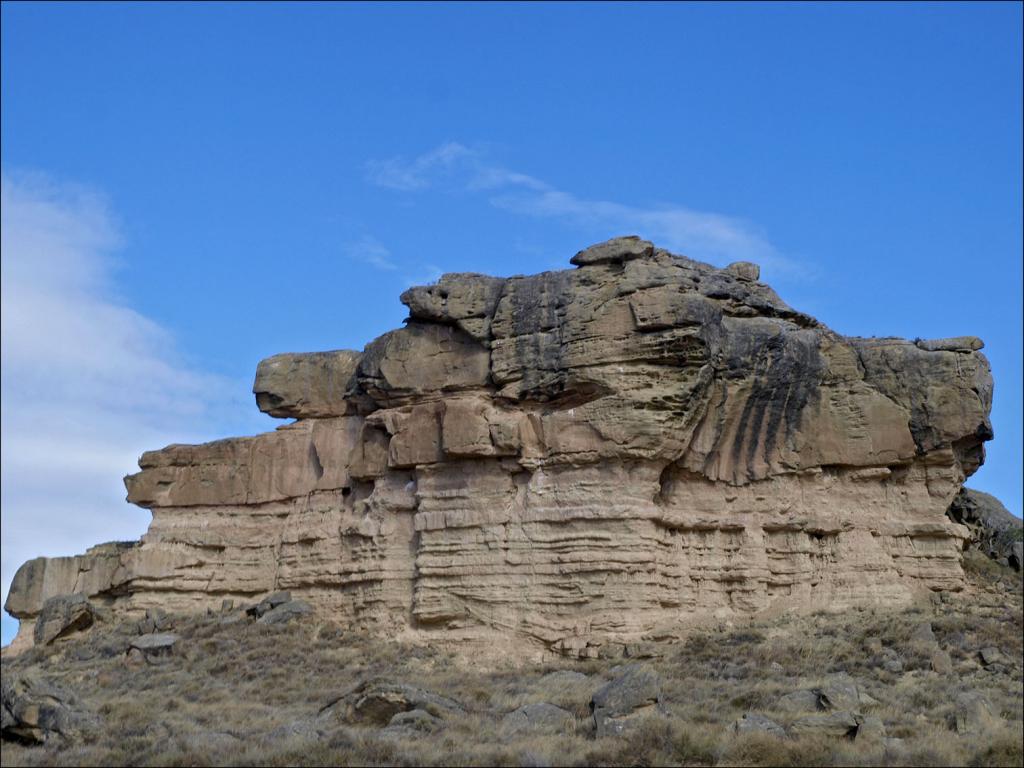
994, 531
36, 711
60, 616
568, 461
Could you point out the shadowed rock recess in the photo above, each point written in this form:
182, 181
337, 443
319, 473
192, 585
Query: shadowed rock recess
566, 461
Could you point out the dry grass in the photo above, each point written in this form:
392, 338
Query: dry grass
219, 701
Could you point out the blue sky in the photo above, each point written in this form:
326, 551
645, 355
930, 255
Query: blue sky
190, 188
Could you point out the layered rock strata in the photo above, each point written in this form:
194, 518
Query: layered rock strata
568, 460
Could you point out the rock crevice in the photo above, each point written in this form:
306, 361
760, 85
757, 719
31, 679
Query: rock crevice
572, 458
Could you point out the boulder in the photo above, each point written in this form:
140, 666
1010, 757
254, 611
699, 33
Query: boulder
744, 270
923, 634
269, 603
36, 711
755, 723
61, 616
993, 530
285, 612
376, 702
156, 620
839, 692
868, 701
836, 724
307, 385
153, 648
991, 655
954, 344
636, 692
973, 714
798, 701
537, 718
616, 250
412, 724
891, 661
869, 729
941, 662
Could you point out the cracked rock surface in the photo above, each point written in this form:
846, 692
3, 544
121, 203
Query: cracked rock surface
559, 461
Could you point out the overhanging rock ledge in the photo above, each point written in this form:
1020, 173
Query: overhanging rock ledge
564, 461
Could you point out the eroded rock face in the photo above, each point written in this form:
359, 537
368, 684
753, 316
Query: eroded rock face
568, 460
994, 530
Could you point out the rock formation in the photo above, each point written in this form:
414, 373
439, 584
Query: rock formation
564, 461
994, 530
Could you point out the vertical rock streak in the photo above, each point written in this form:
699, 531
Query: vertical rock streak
567, 459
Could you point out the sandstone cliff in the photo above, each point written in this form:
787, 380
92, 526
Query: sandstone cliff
566, 460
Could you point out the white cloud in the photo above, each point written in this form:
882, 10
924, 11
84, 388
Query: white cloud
372, 251
399, 173
88, 383
700, 234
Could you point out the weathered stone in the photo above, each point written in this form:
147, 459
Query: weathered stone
269, 603
991, 655
923, 634
836, 724
411, 724
663, 440
798, 701
941, 662
62, 615
955, 344
839, 693
158, 619
973, 714
869, 729
376, 702
285, 612
994, 531
306, 386
154, 648
634, 693
537, 718
868, 701
755, 723
35, 711
618, 249
891, 661
744, 270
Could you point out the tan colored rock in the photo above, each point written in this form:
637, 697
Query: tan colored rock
618, 249
570, 461
306, 386
62, 615
744, 270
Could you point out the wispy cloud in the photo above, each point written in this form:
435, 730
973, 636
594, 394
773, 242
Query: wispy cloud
706, 235
88, 383
420, 172
372, 251
369, 250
